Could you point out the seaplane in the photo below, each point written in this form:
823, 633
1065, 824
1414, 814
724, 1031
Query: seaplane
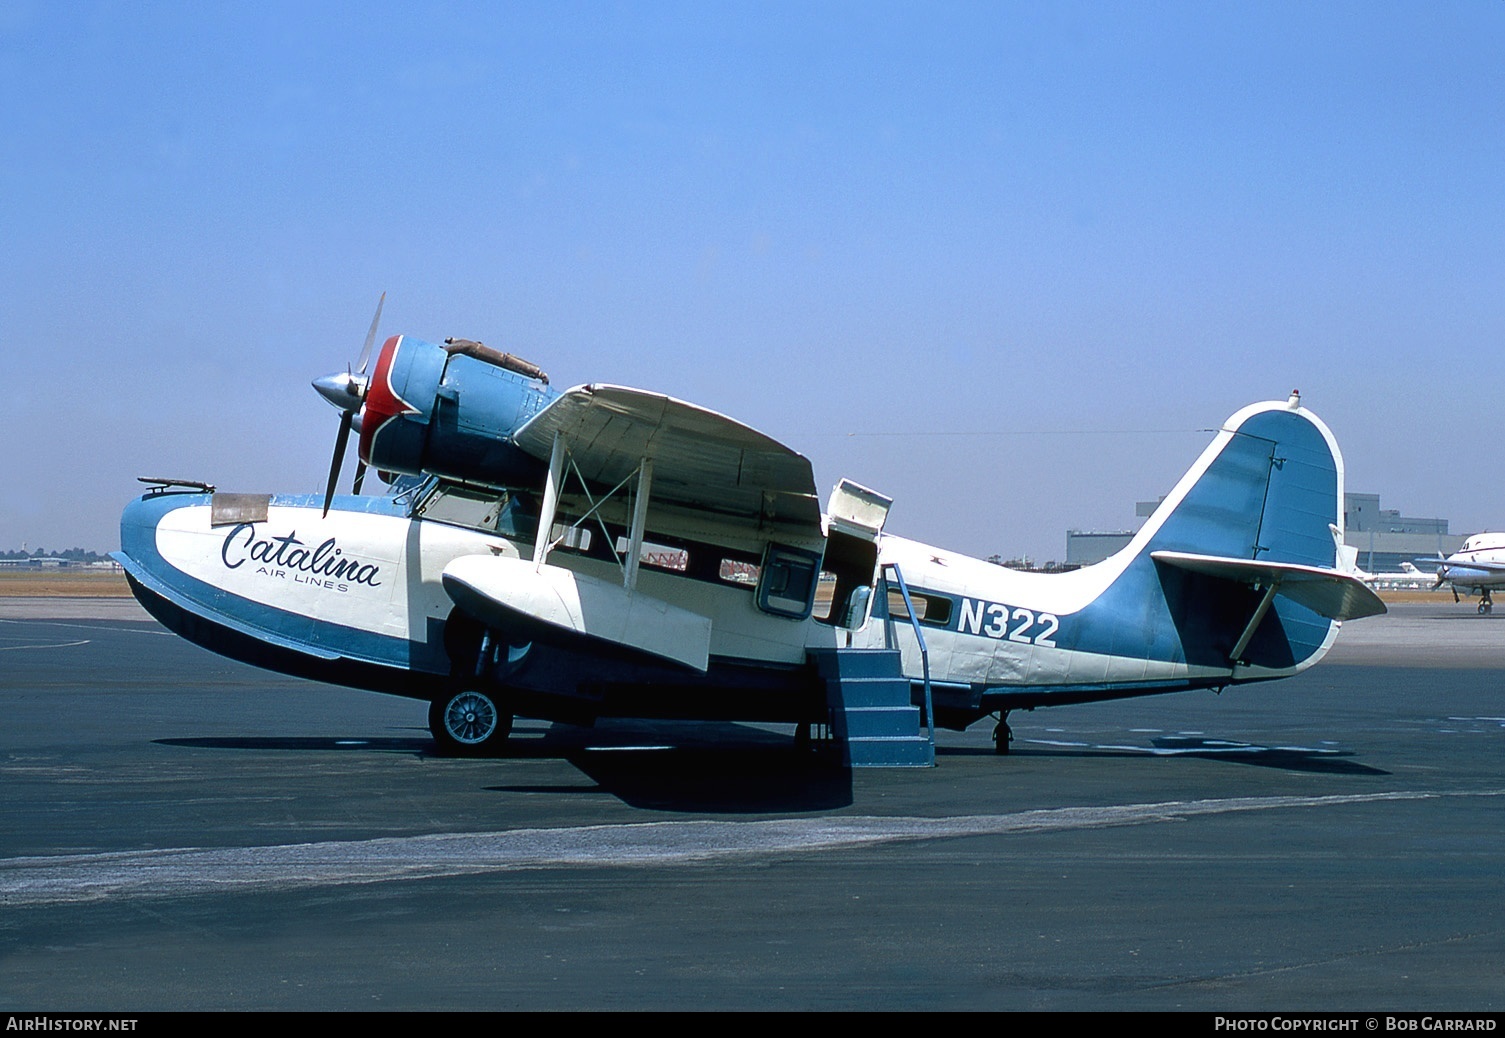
604, 551
1476, 568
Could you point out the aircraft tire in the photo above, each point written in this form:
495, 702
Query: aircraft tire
468, 724
1002, 736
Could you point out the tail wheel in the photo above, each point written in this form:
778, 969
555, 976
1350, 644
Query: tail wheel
468, 723
1002, 735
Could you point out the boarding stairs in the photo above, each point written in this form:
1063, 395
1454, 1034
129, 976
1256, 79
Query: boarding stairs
873, 721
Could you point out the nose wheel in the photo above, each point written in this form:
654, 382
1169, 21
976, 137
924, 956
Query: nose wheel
468, 724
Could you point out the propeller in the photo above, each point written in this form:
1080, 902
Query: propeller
347, 392
1442, 576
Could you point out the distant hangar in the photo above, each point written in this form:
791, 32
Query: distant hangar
1383, 536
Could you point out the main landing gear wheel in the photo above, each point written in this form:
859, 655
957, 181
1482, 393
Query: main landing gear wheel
1485, 608
468, 724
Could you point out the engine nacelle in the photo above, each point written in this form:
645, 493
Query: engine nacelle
451, 410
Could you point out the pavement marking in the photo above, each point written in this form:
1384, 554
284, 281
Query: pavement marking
52, 645
1204, 748
92, 627
183, 872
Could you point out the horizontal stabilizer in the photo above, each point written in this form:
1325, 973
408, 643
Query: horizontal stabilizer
1326, 592
498, 591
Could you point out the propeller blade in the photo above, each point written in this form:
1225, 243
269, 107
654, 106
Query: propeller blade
360, 367
348, 393
360, 462
340, 440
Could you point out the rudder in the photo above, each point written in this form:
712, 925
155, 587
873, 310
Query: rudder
1263, 500
1269, 488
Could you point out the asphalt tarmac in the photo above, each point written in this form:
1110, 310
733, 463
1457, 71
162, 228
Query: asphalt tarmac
180, 832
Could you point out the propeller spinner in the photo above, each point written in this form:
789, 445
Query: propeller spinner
347, 392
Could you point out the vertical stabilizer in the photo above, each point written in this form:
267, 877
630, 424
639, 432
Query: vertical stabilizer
1262, 502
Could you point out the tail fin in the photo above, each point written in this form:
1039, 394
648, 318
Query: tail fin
1269, 488
1247, 549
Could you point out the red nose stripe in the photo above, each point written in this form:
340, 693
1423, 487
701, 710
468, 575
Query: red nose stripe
382, 402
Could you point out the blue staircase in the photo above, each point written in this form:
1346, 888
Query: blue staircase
873, 720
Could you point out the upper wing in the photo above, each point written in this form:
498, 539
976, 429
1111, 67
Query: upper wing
701, 459
1327, 592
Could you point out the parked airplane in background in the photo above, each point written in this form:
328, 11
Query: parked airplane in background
1407, 577
1476, 568
607, 551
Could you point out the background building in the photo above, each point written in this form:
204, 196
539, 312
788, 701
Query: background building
1383, 536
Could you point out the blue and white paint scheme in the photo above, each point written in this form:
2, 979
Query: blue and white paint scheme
681, 557
1476, 568
1237, 576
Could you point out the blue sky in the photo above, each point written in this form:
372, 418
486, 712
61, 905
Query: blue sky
1003, 262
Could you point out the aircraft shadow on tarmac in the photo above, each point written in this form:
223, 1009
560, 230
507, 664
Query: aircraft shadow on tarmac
739, 769
696, 767
723, 782
705, 767
1286, 758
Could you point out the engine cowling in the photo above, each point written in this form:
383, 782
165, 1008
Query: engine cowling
451, 410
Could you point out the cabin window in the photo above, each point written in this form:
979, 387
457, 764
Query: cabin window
786, 584
734, 571
571, 538
933, 610
658, 556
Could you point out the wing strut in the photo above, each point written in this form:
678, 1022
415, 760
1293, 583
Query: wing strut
559, 460
551, 490
639, 525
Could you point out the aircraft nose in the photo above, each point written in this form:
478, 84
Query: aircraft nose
138, 527
139, 521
